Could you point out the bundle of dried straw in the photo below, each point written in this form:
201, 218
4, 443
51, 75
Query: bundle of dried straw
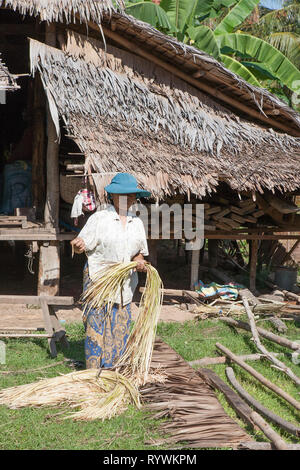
108, 394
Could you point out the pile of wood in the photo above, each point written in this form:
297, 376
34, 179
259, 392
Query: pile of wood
227, 216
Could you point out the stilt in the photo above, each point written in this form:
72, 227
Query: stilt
253, 263
49, 269
194, 268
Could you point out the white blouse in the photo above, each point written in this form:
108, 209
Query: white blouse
107, 240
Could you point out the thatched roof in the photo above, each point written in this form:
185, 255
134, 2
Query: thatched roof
211, 75
7, 81
63, 10
126, 114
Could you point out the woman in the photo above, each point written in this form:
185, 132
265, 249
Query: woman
112, 235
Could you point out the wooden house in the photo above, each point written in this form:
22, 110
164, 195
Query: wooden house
108, 93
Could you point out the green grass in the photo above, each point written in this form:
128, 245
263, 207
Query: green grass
36, 429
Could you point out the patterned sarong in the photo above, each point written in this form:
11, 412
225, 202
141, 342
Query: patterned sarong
106, 335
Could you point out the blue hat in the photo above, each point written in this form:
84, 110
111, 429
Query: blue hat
124, 183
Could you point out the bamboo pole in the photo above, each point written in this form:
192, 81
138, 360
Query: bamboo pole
289, 427
193, 81
259, 376
266, 334
263, 350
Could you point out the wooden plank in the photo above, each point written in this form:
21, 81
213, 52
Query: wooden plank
212, 210
222, 214
35, 300
39, 236
238, 218
230, 222
258, 213
236, 210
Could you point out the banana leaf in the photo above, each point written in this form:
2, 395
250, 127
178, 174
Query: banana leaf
261, 51
236, 16
204, 39
150, 13
239, 69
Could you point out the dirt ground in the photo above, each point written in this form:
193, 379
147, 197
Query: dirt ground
15, 279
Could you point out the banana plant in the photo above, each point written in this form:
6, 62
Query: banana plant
184, 20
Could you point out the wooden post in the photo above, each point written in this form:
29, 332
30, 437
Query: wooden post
49, 269
52, 195
253, 263
49, 262
38, 157
194, 268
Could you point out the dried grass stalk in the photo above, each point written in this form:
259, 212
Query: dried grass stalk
106, 395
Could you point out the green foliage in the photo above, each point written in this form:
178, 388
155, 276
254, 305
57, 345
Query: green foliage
211, 26
204, 39
150, 13
264, 53
236, 16
240, 69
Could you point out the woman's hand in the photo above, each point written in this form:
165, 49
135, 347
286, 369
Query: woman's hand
141, 263
78, 245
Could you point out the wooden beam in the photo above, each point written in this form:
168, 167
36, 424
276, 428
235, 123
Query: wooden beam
193, 81
35, 300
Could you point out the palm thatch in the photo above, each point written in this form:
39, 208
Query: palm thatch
64, 10
196, 417
219, 81
7, 81
174, 138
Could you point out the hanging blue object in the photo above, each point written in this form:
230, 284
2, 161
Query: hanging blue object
16, 188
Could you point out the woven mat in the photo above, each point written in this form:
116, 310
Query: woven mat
197, 419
